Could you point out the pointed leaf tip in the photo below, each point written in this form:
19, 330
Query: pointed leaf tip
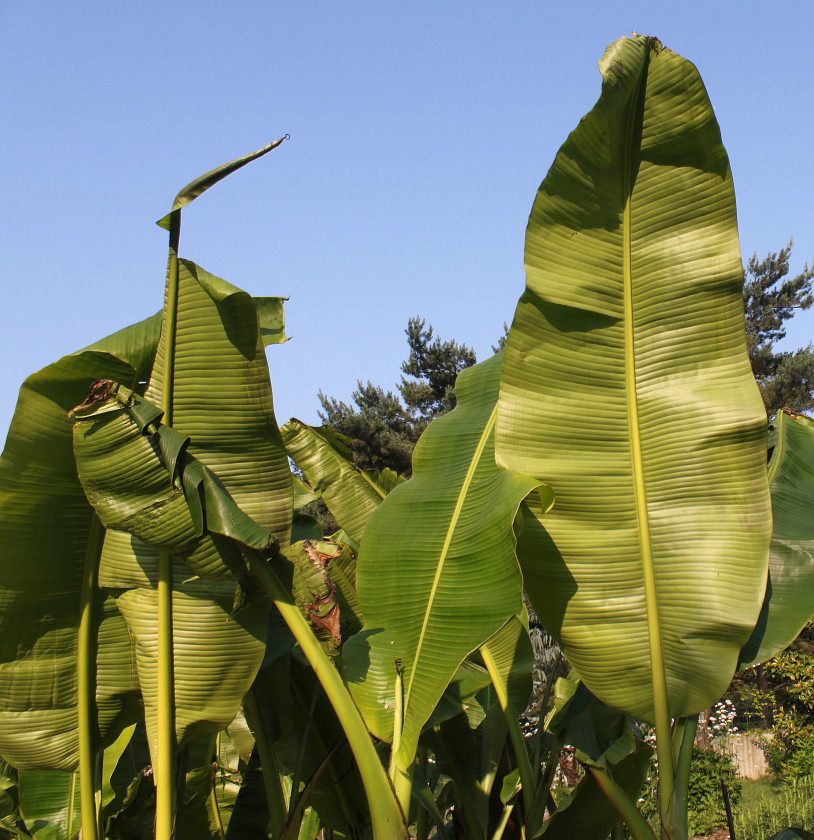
201, 184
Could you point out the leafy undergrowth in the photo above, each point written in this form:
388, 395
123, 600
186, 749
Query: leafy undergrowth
768, 806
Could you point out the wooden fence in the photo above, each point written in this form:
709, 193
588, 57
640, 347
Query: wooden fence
747, 753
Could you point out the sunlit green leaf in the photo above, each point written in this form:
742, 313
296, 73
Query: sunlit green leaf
628, 389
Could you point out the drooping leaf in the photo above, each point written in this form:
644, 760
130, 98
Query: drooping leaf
140, 479
221, 402
45, 536
789, 601
325, 458
587, 812
437, 573
628, 389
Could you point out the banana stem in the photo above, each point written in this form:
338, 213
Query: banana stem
635, 822
521, 754
386, 816
86, 687
165, 722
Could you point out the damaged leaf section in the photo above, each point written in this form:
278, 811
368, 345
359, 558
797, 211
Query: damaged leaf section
315, 592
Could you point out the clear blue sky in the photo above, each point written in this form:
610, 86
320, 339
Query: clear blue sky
419, 134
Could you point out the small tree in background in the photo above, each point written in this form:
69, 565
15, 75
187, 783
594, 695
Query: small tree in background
384, 427
786, 378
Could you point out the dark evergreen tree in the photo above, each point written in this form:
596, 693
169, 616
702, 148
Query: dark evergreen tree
384, 427
786, 378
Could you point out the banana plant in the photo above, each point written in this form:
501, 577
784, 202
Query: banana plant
69, 683
200, 507
627, 388
159, 532
434, 591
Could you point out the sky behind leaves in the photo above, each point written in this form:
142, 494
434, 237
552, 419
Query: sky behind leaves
419, 135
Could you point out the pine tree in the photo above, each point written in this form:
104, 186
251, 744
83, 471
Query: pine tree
786, 378
384, 427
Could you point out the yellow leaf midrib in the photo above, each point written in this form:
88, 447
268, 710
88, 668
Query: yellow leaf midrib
456, 513
658, 673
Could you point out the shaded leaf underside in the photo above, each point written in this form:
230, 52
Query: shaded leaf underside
627, 388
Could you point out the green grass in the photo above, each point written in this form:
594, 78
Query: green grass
768, 806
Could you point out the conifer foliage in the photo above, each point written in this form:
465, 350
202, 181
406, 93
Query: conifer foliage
770, 298
384, 427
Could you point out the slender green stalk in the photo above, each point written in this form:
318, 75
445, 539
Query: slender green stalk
504, 819
398, 718
296, 776
422, 822
683, 740
630, 815
213, 793
171, 318
165, 715
71, 798
213, 802
521, 754
275, 797
386, 815
86, 686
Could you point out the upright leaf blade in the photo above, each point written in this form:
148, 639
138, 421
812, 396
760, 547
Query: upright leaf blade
437, 573
627, 387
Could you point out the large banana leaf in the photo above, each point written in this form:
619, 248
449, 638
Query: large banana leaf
437, 573
125, 459
46, 532
627, 387
789, 601
222, 402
